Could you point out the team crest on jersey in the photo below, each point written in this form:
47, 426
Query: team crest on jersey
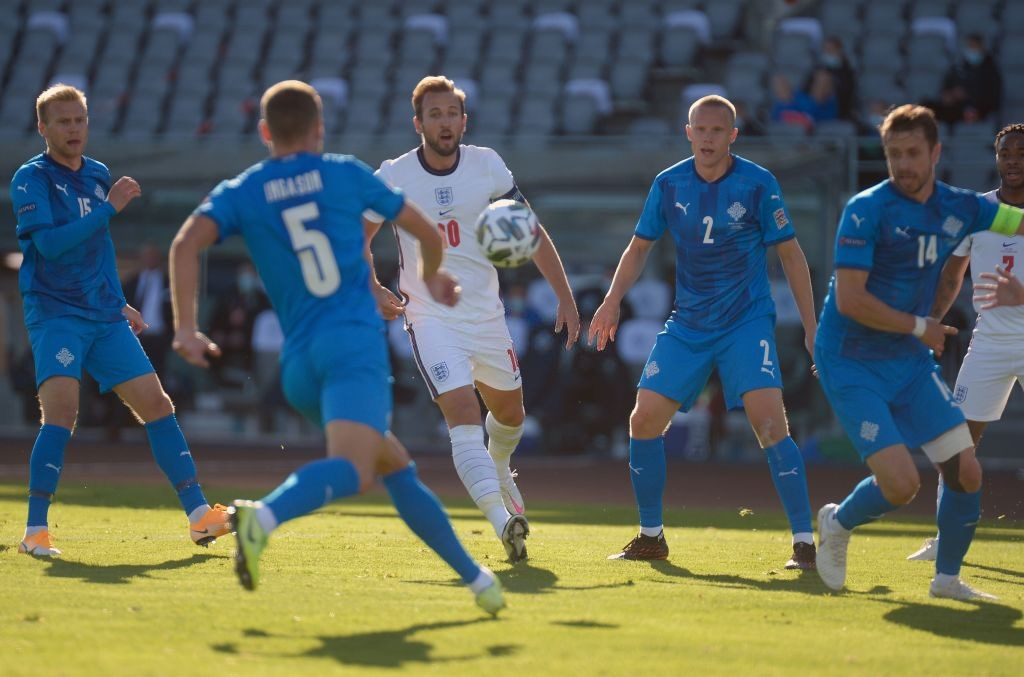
652, 369
952, 226
443, 196
868, 431
736, 211
960, 394
65, 357
439, 371
99, 193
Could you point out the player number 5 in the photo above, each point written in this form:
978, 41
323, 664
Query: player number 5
316, 258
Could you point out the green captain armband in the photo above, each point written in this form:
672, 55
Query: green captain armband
1007, 220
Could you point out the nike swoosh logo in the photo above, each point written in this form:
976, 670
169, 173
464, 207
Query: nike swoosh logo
446, 212
1008, 244
519, 508
200, 531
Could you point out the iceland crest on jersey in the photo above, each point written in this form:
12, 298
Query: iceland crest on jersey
443, 196
736, 211
952, 226
100, 194
439, 371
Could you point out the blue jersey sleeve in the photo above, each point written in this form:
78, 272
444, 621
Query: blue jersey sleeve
30, 197
652, 221
776, 226
855, 241
379, 197
219, 205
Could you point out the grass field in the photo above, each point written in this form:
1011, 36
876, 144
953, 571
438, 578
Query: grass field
349, 590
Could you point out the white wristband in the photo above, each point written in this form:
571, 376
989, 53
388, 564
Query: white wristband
920, 324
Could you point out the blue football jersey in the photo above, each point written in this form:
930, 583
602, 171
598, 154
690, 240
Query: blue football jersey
904, 245
301, 218
82, 281
722, 230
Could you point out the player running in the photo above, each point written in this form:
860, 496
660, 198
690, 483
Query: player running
299, 213
467, 347
993, 362
875, 345
77, 316
723, 212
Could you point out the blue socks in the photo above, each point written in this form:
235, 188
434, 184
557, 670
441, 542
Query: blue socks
864, 504
421, 510
172, 455
647, 472
957, 520
44, 468
312, 486
790, 478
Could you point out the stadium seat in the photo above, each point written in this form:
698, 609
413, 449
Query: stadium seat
17, 111
596, 15
880, 52
691, 93
78, 80
941, 26
492, 117
461, 52
407, 8
542, 79
639, 15
922, 84
976, 17
362, 117
536, 118
628, 79
54, 22
584, 101
835, 128
724, 16
507, 17
885, 17
648, 127
180, 24
464, 16
553, 35
685, 32
804, 28
928, 9
185, 117
637, 45
842, 18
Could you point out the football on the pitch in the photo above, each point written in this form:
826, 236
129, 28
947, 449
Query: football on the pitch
508, 233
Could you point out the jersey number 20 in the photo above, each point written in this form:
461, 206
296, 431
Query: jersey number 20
319, 267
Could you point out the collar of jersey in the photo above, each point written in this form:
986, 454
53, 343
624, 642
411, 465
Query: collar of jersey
64, 168
723, 177
438, 172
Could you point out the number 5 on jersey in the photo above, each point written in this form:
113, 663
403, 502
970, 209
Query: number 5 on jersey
313, 249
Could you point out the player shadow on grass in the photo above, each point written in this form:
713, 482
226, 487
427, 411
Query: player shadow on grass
997, 570
982, 622
381, 649
117, 573
527, 579
806, 582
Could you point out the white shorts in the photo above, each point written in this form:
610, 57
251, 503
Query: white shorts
452, 355
986, 377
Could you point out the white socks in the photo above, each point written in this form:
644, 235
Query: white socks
652, 531
198, 513
478, 474
502, 441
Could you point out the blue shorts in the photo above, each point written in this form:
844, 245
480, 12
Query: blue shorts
109, 351
341, 375
880, 403
681, 362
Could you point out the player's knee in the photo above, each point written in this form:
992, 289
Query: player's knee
643, 425
511, 416
900, 490
769, 431
962, 474
60, 415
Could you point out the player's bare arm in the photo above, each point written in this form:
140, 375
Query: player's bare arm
856, 302
606, 318
441, 284
949, 285
1004, 290
794, 264
196, 234
550, 266
122, 192
389, 305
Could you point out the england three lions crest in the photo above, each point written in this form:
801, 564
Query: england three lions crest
439, 371
443, 196
960, 394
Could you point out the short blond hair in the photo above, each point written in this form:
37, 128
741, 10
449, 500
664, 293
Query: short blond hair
435, 83
58, 92
712, 100
292, 109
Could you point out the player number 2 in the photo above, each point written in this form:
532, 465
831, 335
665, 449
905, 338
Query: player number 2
767, 351
927, 250
1008, 262
316, 258
450, 232
708, 221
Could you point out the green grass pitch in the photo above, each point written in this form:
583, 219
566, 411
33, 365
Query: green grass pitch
349, 590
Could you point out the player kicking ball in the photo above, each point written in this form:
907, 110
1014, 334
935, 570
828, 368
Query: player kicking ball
466, 349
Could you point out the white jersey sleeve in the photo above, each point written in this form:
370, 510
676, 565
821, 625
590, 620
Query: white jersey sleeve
454, 199
369, 214
988, 250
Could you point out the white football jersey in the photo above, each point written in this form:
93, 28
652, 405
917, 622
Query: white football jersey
454, 198
987, 250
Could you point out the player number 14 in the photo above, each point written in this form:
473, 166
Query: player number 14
927, 250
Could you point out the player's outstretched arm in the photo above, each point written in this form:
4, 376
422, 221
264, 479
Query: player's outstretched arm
441, 284
856, 302
794, 264
196, 234
389, 305
550, 266
949, 285
606, 319
1004, 290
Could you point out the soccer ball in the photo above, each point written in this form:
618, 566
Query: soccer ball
508, 233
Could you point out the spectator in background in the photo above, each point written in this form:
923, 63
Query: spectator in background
972, 88
231, 327
148, 291
804, 108
844, 79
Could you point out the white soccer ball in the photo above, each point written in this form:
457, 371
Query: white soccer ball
508, 233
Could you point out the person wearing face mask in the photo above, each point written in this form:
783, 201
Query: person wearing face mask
834, 60
231, 326
972, 88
